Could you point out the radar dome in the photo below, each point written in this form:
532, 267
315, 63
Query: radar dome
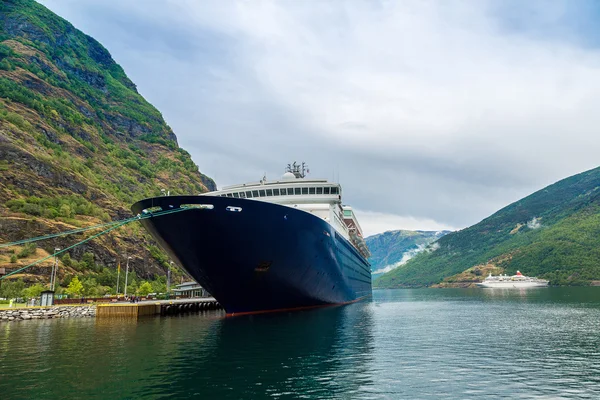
288, 176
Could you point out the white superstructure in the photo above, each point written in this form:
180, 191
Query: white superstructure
316, 196
516, 281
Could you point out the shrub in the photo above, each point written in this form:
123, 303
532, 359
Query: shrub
33, 291
27, 250
66, 259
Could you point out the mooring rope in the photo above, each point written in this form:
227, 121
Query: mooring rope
37, 239
63, 250
115, 225
89, 228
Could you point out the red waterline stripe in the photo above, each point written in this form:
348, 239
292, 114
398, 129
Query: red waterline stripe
293, 308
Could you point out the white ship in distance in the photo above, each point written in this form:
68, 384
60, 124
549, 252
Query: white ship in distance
516, 281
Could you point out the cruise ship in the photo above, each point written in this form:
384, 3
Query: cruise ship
268, 245
515, 281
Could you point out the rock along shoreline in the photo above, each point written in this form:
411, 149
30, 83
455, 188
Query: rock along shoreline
24, 314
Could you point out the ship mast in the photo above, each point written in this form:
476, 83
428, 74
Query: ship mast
299, 170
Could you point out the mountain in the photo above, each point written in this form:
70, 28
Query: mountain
78, 145
393, 248
553, 233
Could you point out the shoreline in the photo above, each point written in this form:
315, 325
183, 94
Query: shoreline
52, 312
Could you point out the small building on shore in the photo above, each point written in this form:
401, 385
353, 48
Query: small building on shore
190, 289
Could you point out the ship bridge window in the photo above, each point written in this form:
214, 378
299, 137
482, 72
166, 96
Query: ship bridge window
261, 193
229, 195
236, 195
290, 191
335, 190
311, 190
255, 193
275, 192
319, 190
304, 190
327, 190
297, 191
248, 195
269, 192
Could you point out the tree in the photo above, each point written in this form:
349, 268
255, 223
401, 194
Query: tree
75, 287
159, 285
66, 259
65, 211
144, 289
5, 65
88, 259
12, 289
33, 291
90, 287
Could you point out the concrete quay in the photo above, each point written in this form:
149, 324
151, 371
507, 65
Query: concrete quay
110, 310
155, 307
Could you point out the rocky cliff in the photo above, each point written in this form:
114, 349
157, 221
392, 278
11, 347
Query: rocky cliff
78, 144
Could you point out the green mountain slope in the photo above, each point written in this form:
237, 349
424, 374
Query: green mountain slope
389, 249
78, 144
553, 233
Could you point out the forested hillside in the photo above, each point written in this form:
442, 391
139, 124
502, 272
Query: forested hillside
553, 233
78, 145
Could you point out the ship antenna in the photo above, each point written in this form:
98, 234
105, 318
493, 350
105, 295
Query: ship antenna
299, 170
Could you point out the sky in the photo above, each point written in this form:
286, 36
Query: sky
431, 114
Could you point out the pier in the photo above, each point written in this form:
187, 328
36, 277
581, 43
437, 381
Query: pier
155, 307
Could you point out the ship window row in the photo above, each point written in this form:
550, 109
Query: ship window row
283, 192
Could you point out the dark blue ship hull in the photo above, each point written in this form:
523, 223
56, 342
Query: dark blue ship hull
255, 256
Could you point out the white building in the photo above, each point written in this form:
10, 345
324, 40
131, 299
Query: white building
190, 289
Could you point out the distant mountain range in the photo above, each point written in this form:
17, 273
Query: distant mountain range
393, 248
553, 233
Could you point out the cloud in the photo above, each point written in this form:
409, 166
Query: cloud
430, 112
405, 257
534, 223
373, 222
409, 254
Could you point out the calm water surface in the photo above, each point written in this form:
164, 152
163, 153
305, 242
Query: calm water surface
421, 343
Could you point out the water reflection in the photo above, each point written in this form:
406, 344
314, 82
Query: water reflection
424, 343
318, 353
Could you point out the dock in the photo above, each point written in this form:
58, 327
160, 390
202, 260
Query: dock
155, 307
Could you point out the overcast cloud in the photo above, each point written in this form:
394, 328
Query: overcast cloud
432, 114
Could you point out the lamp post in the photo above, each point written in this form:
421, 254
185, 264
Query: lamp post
126, 273
118, 277
52, 272
169, 277
54, 269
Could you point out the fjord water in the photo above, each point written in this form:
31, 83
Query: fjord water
414, 343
